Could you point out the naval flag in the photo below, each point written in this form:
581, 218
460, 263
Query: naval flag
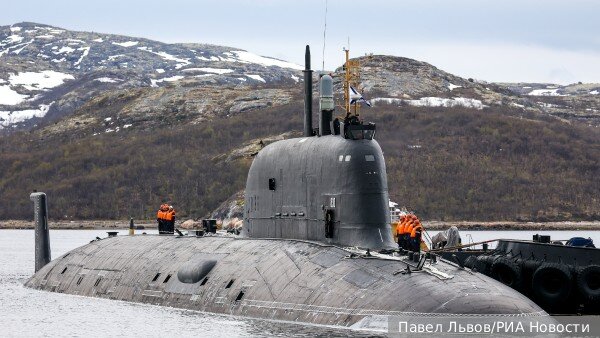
355, 96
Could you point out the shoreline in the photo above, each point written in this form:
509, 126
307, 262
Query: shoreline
429, 225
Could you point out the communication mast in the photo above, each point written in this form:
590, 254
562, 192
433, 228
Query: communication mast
351, 79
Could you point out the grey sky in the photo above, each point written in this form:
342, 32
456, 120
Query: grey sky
508, 40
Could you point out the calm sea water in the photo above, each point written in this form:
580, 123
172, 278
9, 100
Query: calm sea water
26, 312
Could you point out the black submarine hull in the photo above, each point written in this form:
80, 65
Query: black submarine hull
277, 279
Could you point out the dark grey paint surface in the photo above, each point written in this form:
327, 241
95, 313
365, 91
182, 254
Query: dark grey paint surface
314, 174
280, 279
42, 236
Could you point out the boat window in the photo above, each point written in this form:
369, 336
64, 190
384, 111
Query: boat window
341, 158
79, 280
64, 270
204, 281
167, 279
156, 277
230, 284
369, 158
98, 281
348, 157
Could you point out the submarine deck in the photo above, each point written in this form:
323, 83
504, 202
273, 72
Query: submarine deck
272, 279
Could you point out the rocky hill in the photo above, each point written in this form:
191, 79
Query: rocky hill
111, 126
47, 72
403, 81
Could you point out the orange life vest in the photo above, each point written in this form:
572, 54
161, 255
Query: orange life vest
409, 227
169, 215
417, 228
399, 225
403, 226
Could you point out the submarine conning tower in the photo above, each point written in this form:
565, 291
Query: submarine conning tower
328, 186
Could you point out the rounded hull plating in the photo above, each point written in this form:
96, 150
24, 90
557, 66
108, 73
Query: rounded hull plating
272, 279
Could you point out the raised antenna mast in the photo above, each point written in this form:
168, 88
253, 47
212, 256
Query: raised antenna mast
351, 79
324, 36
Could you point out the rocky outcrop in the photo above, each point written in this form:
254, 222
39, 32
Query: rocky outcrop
48, 66
230, 214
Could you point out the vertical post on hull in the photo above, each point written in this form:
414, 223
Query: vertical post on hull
307, 94
131, 227
42, 235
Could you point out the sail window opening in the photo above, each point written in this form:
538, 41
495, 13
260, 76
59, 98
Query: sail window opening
370, 158
229, 284
167, 279
98, 281
341, 158
272, 184
348, 157
79, 280
204, 281
156, 277
64, 270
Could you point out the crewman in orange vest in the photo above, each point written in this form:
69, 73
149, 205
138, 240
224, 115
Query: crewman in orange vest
415, 236
408, 230
161, 218
400, 230
170, 219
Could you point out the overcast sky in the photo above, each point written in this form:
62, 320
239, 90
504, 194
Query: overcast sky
504, 40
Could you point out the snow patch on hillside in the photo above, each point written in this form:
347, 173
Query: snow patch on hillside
8, 118
86, 51
209, 70
12, 39
21, 46
265, 61
545, 92
39, 80
256, 77
180, 62
452, 86
433, 102
107, 80
126, 43
65, 49
10, 97
166, 79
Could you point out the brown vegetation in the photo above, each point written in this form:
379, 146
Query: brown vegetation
443, 163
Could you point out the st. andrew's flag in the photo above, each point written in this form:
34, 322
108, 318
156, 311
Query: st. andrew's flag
355, 96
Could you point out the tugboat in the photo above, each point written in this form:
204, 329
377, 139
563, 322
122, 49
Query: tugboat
563, 278
316, 246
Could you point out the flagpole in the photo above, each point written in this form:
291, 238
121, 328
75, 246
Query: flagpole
347, 83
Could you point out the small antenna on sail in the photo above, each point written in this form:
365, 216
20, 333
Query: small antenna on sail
324, 36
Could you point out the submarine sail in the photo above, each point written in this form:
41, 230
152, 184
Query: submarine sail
329, 188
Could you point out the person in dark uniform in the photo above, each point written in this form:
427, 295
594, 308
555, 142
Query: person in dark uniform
170, 220
415, 237
161, 218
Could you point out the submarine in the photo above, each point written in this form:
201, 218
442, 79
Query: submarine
316, 247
